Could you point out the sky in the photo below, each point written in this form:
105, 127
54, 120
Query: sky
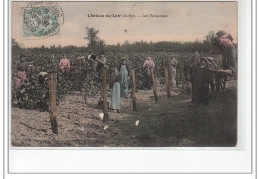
185, 21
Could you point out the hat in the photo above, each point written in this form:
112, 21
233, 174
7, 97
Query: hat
124, 58
93, 56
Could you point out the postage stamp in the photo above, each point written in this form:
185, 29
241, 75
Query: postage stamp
41, 19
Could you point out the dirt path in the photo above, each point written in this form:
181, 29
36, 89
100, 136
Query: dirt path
171, 122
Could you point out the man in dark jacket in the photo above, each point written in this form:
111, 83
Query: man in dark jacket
201, 81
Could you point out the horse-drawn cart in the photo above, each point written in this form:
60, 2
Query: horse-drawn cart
219, 67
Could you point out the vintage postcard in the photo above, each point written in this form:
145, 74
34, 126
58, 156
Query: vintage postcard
129, 87
124, 74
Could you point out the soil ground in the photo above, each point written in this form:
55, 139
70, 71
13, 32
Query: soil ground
173, 121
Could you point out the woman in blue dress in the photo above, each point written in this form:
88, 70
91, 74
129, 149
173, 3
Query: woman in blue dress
125, 72
115, 93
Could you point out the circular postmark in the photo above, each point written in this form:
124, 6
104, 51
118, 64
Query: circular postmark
41, 19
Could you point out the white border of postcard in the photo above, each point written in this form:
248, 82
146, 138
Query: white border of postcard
146, 160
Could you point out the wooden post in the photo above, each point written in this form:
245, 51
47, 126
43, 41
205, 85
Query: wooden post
85, 91
154, 87
52, 82
134, 89
104, 94
182, 79
167, 83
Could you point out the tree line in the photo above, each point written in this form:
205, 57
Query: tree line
97, 45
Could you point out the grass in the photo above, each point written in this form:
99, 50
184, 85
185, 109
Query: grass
176, 122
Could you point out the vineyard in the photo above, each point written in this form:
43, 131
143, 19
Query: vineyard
34, 95
148, 117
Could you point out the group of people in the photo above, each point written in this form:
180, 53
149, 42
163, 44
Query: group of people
91, 60
205, 82
119, 79
200, 75
121, 75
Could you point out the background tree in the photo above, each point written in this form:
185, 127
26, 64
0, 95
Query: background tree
209, 39
94, 42
16, 49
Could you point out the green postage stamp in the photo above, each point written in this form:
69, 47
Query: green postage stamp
41, 19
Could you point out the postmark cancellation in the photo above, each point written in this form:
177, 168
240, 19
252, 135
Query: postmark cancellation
41, 20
